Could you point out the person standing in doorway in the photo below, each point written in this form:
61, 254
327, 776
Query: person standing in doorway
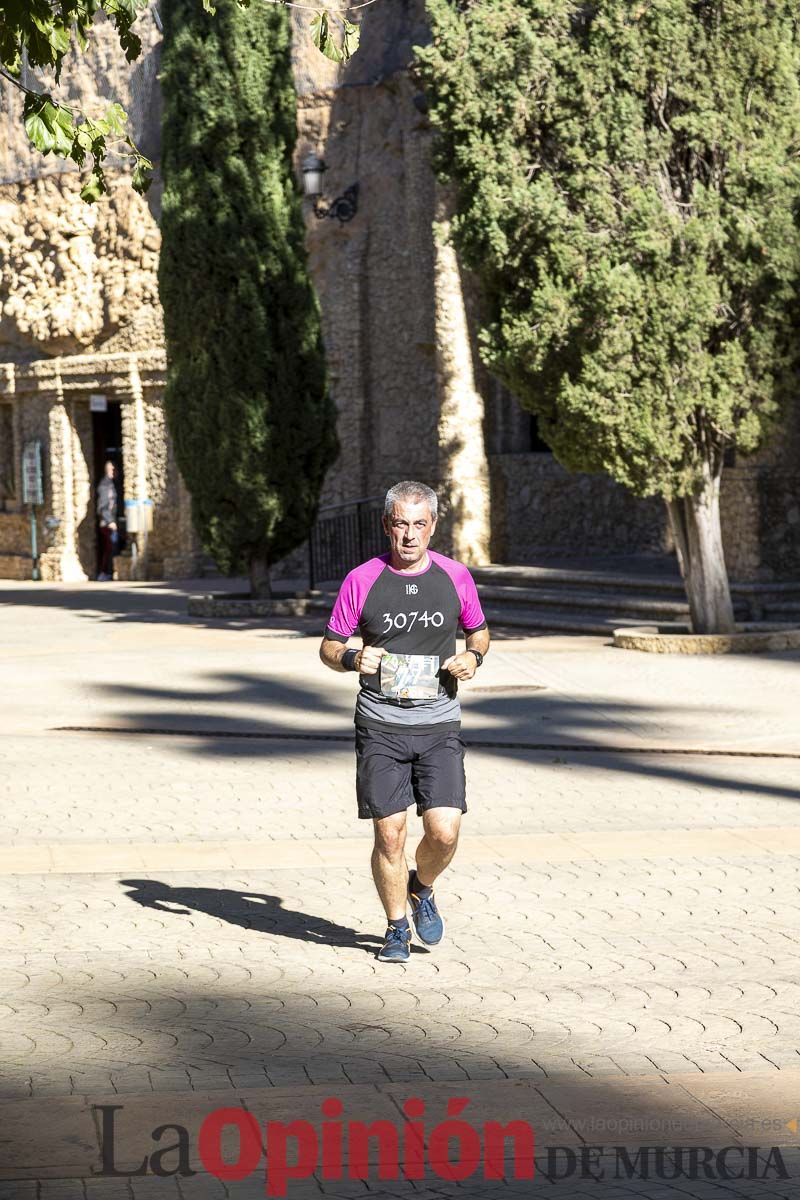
107, 505
408, 605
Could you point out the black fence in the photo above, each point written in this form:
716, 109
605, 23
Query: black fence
344, 536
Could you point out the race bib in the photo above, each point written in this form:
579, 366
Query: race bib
410, 676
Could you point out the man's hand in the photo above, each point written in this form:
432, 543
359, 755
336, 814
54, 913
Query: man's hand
462, 666
366, 662
368, 659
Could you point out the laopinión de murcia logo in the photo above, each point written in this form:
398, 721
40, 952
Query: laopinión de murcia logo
453, 1149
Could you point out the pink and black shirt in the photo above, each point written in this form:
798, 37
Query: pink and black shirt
408, 614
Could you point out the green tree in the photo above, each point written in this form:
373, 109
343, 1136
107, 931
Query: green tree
246, 399
628, 181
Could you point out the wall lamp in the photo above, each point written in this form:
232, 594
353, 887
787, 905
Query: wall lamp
343, 208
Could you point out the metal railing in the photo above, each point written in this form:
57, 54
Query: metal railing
344, 536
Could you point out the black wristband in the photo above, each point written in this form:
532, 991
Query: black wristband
478, 656
349, 660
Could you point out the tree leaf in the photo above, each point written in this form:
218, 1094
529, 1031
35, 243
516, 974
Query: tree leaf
62, 124
321, 36
141, 179
37, 126
319, 28
94, 187
59, 37
38, 133
115, 119
131, 44
352, 39
52, 28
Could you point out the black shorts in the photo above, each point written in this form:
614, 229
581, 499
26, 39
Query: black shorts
394, 770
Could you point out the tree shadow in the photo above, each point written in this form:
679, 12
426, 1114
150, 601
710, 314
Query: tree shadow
257, 911
513, 724
151, 603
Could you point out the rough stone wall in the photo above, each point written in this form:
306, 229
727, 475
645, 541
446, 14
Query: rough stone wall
396, 320
540, 509
463, 469
761, 522
760, 505
375, 279
174, 548
71, 274
779, 524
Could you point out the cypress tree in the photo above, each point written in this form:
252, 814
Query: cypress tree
628, 177
246, 397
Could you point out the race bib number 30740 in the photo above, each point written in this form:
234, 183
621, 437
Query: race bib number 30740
403, 620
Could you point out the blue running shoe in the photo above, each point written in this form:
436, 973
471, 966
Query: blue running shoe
428, 923
397, 945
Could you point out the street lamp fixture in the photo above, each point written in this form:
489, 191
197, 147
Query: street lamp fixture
343, 208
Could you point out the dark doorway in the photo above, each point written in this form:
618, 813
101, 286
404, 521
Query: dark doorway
107, 445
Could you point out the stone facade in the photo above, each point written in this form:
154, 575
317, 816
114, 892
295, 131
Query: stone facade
79, 315
51, 399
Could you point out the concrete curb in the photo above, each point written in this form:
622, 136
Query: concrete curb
299, 604
750, 641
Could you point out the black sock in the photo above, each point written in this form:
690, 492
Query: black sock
401, 923
418, 888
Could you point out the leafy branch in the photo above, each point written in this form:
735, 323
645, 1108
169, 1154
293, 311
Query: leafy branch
43, 34
44, 31
53, 127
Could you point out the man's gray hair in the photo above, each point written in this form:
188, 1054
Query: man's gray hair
409, 489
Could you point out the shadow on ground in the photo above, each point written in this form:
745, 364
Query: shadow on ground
249, 910
512, 724
154, 604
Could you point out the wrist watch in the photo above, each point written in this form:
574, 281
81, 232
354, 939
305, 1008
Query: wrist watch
478, 655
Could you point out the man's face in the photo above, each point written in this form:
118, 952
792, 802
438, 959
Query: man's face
409, 530
110, 470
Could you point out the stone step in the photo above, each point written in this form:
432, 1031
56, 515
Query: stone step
558, 620
785, 610
601, 579
644, 583
627, 604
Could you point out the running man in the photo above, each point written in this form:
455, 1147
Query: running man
408, 604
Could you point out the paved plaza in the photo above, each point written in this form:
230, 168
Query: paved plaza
188, 921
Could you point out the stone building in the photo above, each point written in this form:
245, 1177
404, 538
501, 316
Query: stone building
80, 331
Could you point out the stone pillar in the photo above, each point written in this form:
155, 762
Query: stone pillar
134, 441
82, 489
463, 467
60, 561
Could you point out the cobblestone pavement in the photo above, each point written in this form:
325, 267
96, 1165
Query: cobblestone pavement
621, 967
